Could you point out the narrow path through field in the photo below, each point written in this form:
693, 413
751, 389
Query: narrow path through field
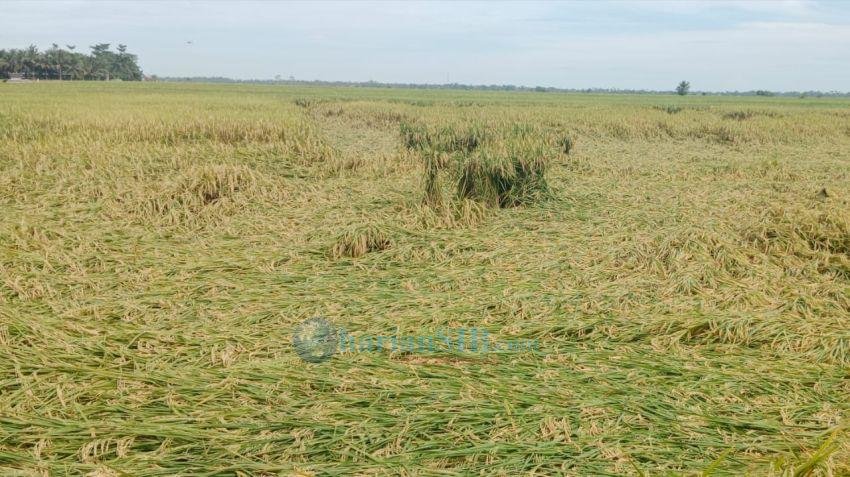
357, 141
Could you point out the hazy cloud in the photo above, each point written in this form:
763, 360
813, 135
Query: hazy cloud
779, 45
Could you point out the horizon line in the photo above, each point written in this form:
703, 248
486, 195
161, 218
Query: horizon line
481, 86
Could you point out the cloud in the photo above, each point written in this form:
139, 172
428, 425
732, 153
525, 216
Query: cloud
791, 8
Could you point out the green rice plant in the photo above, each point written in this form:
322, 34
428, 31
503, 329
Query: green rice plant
819, 456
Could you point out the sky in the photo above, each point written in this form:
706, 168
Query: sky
717, 45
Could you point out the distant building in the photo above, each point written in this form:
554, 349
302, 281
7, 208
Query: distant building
18, 78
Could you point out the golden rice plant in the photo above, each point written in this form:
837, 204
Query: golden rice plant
160, 242
196, 193
445, 138
359, 240
507, 172
819, 234
566, 143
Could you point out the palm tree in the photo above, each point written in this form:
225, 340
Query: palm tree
53, 60
30, 60
58, 63
102, 59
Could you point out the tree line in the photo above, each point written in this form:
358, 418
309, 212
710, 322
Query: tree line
68, 64
491, 87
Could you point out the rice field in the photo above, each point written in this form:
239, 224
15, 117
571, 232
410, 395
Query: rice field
683, 263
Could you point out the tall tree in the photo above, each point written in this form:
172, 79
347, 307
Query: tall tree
59, 63
103, 60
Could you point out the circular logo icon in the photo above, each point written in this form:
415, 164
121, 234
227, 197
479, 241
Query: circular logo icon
315, 340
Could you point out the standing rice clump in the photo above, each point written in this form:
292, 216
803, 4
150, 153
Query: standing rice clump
447, 138
433, 191
502, 169
508, 173
566, 144
358, 241
196, 193
207, 184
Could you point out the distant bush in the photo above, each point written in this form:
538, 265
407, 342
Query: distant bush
304, 102
738, 115
748, 114
669, 109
